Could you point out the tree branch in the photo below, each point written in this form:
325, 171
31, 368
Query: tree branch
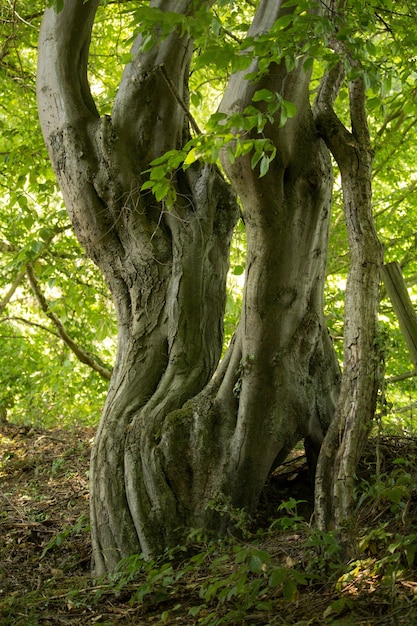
144, 107
361, 373
81, 354
7, 247
62, 85
178, 98
6, 298
358, 117
400, 377
15, 318
329, 126
78, 141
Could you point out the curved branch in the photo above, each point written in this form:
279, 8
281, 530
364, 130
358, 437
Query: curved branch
358, 117
338, 139
78, 141
345, 438
15, 284
62, 86
7, 247
22, 320
291, 86
400, 377
80, 353
178, 98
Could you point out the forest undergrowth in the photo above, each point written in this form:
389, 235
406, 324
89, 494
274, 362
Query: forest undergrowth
280, 571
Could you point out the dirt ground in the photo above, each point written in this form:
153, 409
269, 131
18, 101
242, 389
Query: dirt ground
45, 548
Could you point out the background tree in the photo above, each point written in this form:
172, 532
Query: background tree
49, 289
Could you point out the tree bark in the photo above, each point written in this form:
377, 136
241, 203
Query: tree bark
401, 303
179, 432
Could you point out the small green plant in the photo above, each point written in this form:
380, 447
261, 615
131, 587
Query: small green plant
153, 580
391, 550
81, 526
288, 519
249, 584
238, 518
234, 580
325, 553
57, 466
391, 491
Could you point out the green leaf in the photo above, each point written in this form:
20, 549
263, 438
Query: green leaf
147, 185
231, 155
255, 559
244, 147
195, 610
215, 118
164, 158
263, 95
290, 108
196, 98
264, 166
289, 589
308, 64
284, 21
337, 607
191, 157
161, 189
158, 172
277, 577
255, 159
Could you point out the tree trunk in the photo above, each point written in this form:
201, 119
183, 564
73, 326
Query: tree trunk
343, 445
176, 435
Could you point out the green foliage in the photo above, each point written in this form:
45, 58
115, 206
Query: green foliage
229, 582
81, 526
388, 545
288, 517
237, 518
224, 133
41, 380
250, 587
238, 579
393, 490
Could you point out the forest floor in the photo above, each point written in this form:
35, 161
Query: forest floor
287, 574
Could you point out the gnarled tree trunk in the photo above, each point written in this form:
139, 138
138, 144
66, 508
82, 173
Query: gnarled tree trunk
178, 430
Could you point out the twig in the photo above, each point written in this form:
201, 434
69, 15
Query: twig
178, 98
80, 353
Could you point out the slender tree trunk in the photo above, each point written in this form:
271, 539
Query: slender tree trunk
349, 430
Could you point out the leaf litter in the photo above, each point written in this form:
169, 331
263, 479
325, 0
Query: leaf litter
45, 551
